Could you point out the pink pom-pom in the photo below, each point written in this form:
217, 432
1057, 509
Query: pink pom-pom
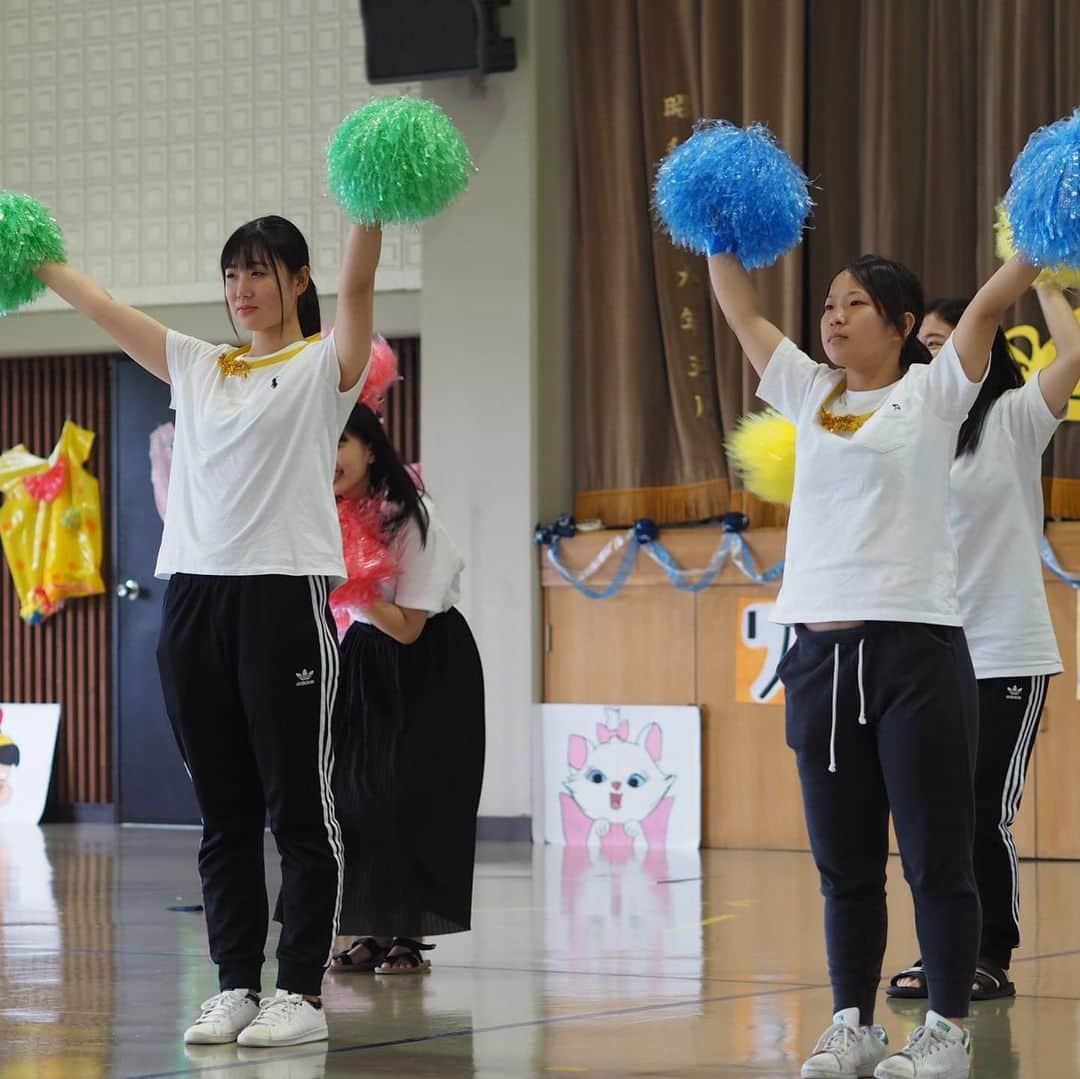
382, 374
369, 560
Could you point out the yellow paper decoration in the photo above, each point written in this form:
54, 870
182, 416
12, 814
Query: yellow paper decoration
1062, 276
1037, 355
50, 524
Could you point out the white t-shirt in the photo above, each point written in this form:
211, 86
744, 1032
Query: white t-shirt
430, 578
868, 536
251, 488
996, 515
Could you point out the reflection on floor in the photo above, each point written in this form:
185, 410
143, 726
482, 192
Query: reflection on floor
681, 964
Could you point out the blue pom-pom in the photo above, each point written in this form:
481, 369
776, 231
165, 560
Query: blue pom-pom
1043, 201
732, 190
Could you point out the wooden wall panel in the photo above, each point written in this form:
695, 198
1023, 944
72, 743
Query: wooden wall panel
69, 657
402, 414
630, 650
66, 659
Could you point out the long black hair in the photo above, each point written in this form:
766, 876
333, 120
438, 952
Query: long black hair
387, 473
369, 758
275, 240
895, 292
1004, 374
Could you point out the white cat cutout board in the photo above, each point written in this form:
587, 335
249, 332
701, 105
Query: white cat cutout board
27, 746
620, 777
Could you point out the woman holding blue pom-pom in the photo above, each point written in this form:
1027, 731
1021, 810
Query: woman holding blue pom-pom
996, 516
881, 697
252, 546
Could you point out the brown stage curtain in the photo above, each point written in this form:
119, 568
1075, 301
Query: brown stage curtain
907, 114
656, 384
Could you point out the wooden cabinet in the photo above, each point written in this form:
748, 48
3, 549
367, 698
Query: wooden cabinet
653, 644
1053, 793
635, 648
750, 795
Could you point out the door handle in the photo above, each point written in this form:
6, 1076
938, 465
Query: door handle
129, 590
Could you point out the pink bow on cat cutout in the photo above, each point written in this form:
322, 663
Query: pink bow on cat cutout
605, 734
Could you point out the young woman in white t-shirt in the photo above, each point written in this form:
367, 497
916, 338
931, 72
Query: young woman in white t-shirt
409, 735
247, 652
881, 698
996, 516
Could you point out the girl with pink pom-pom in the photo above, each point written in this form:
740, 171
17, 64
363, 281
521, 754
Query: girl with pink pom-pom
409, 735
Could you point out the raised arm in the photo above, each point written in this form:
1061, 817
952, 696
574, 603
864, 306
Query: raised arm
738, 299
1058, 380
974, 333
140, 336
355, 317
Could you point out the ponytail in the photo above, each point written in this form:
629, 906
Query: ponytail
914, 351
307, 310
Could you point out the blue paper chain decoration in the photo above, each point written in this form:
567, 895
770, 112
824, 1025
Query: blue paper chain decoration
1050, 560
645, 536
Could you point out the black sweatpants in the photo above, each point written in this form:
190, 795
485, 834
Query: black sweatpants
249, 668
1009, 714
892, 707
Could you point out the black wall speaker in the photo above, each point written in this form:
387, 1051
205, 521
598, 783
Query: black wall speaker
427, 39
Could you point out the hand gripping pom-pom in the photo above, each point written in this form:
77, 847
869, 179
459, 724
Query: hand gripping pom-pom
732, 190
28, 238
1005, 247
762, 451
398, 159
1043, 200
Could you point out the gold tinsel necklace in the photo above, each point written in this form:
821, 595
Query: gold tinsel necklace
233, 365
837, 422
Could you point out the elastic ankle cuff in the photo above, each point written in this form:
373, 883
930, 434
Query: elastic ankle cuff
240, 977
299, 978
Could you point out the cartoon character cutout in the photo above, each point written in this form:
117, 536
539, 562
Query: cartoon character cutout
617, 794
9, 758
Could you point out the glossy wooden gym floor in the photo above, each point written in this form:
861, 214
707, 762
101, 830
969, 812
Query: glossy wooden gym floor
683, 965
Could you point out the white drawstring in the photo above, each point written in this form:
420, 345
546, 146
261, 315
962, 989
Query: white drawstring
835, 699
835, 690
862, 695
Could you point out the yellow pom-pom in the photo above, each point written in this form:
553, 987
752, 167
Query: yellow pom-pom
762, 452
1005, 248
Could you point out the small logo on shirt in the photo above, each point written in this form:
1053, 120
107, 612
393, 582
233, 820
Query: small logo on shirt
273, 383
896, 406
305, 678
1014, 693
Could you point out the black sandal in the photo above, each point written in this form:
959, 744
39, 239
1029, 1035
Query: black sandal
415, 962
909, 992
344, 963
992, 982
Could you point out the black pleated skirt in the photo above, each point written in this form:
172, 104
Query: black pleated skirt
409, 749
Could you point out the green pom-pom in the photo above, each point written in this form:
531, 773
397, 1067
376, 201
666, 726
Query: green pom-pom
397, 159
28, 237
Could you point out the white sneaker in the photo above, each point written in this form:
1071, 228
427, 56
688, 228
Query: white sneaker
222, 1018
847, 1050
938, 1050
285, 1019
